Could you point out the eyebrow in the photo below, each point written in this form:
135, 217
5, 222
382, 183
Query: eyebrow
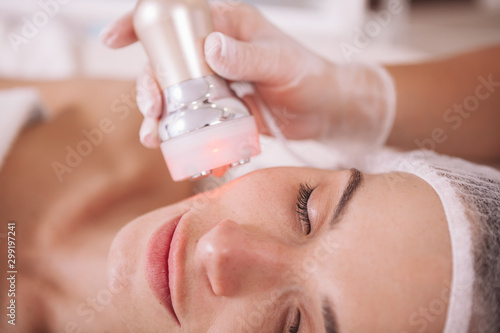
329, 318
355, 180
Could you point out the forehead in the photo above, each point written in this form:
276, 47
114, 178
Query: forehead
392, 256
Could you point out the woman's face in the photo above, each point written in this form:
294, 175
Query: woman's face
243, 258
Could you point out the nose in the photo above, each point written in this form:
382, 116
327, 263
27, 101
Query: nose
237, 260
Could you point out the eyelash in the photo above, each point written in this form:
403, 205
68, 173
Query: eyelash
295, 327
305, 192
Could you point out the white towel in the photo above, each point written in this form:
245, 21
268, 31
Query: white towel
18, 107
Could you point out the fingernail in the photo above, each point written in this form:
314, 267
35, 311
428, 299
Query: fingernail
108, 34
147, 129
148, 141
149, 133
150, 109
147, 107
154, 110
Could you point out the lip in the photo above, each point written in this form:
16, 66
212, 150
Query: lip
177, 260
159, 272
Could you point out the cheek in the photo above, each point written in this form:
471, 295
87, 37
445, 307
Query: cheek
262, 200
366, 280
125, 253
123, 271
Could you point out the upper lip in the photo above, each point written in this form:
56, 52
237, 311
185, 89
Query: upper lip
162, 271
176, 262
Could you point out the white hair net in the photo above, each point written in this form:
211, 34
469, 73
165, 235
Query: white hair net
470, 195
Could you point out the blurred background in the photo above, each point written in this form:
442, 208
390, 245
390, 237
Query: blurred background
58, 39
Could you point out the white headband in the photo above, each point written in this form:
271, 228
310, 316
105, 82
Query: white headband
438, 171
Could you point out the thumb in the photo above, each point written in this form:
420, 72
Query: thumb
244, 61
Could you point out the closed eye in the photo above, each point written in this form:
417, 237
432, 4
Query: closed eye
296, 325
305, 191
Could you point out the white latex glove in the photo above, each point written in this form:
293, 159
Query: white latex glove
349, 106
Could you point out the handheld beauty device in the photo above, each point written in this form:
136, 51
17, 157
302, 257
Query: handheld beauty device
205, 128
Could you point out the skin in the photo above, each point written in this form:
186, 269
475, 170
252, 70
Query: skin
239, 263
375, 263
421, 111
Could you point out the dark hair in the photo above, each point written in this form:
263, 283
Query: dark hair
482, 199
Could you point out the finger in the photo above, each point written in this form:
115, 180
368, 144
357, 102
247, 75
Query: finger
238, 20
242, 61
149, 97
149, 133
119, 33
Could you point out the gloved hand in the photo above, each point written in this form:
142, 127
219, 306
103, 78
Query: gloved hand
348, 106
